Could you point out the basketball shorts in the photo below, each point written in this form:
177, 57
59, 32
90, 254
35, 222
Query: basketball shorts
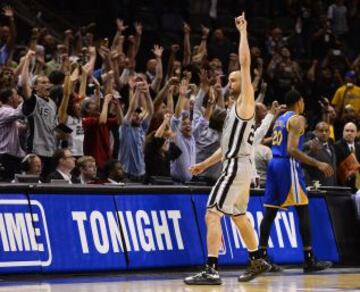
285, 184
230, 194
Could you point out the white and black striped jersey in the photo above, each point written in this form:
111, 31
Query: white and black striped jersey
237, 135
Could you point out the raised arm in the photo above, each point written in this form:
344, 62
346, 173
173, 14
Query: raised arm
187, 45
155, 84
62, 112
97, 92
105, 109
245, 104
83, 82
133, 102
170, 99
160, 96
118, 110
161, 130
210, 103
202, 49
210, 161
118, 36
90, 65
25, 81
148, 101
182, 98
204, 37
172, 57
10, 42
138, 33
262, 92
68, 40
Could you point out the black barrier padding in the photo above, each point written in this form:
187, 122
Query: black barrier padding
14, 188
109, 189
346, 227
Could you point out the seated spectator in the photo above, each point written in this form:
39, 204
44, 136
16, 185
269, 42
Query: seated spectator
159, 151
322, 149
11, 152
87, 168
347, 151
31, 165
114, 173
64, 162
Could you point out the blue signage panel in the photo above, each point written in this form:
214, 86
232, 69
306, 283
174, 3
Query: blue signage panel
160, 230
285, 245
83, 232
22, 235
324, 242
232, 251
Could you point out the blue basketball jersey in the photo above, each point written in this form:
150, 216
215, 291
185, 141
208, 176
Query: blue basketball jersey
285, 182
280, 135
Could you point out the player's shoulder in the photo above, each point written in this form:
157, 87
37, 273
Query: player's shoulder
296, 123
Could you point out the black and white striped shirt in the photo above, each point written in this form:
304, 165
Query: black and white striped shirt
237, 135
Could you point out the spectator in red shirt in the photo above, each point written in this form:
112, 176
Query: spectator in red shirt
96, 129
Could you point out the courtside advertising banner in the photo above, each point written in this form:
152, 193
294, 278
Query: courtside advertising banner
160, 230
95, 232
285, 245
24, 237
84, 232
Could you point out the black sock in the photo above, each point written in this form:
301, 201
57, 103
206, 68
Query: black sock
212, 262
263, 252
308, 255
254, 255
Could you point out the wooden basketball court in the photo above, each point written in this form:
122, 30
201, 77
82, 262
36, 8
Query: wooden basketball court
289, 280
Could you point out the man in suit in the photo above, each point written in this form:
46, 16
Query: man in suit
321, 149
348, 155
65, 162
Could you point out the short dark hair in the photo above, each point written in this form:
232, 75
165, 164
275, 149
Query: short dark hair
292, 97
57, 77
59, 153
5, 94
110, 166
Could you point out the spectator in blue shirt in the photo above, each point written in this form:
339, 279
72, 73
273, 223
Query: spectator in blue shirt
133, 130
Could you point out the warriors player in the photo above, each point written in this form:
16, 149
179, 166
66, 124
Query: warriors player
285, 183
230, 195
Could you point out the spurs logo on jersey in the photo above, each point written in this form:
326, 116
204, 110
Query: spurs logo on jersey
237, 135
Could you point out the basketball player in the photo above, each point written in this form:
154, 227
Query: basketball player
285, 183
230, 195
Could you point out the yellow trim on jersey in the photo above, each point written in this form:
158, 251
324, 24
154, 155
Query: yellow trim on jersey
290, 199
287, 125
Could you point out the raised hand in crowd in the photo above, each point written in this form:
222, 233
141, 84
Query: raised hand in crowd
8, 11
120, 25
187, 45
156, 83
277, 109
